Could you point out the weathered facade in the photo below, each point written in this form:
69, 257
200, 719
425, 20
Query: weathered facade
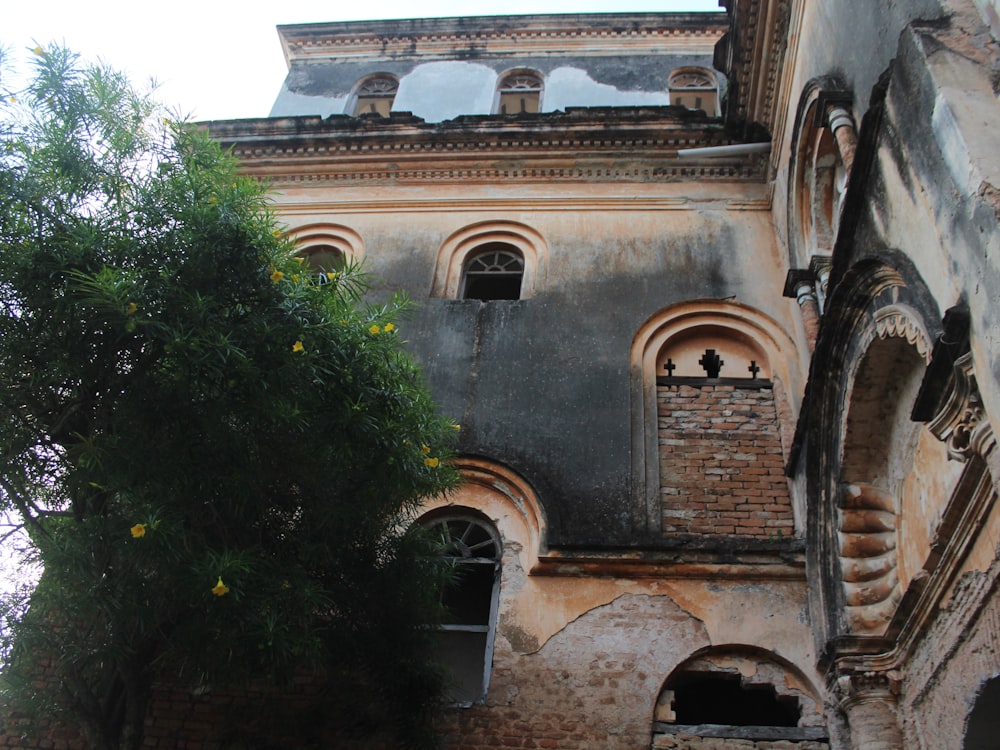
714, 298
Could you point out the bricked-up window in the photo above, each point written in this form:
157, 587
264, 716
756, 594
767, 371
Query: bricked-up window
519, 92
721, 462
375, 95
493, 272
466, 639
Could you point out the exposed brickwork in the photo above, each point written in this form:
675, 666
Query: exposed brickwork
690, 742
721, 466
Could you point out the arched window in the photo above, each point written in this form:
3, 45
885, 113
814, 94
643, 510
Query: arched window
466, 639
375, 95
519, 92
324, 261
465, 259
695, 88
492, 272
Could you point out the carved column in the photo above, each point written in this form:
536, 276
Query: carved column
868, 700
800, 285
842, 126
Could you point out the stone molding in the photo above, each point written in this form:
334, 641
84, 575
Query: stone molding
961, 421
540, 35
866, 686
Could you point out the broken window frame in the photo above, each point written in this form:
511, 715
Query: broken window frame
460, 553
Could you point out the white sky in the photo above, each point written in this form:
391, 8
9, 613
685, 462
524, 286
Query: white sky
220, 59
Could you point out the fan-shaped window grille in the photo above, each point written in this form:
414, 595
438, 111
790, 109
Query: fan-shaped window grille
520, 92
466, 643
695, 88
375, 96
492, 273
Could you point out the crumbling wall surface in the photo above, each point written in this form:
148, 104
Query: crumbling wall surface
946, 673
691, 742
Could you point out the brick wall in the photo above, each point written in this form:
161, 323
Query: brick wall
721, 465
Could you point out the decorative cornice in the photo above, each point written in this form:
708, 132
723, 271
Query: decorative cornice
537, 36
594, 145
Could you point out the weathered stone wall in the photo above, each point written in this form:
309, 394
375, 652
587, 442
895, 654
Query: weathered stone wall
721, 466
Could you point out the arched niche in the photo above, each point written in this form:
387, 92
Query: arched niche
679, 336
818, 178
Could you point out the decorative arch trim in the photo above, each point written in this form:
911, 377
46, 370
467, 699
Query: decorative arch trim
344, 239
503, 497
457, 249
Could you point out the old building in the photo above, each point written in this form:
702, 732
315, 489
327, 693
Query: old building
714, 298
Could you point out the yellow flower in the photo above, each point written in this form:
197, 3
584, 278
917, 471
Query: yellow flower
38, 51
425, 449
456, 426
389, 328
298, 347
220, 589
296, 278
277, 276
212, 199
432, 462
138, 531
12, 99
131, 309
374, 330
299, 259
276, 233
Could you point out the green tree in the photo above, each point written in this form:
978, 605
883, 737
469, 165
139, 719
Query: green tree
215, 455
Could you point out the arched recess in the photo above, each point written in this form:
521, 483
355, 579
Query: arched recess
738, 335
460, 247
328, 238
824, 132
863, 479
373, 95
738, 692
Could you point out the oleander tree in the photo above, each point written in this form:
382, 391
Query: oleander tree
216, 456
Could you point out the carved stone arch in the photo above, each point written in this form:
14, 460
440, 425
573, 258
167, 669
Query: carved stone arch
873, 352
466, 242
519, 90
683, 327
739, 692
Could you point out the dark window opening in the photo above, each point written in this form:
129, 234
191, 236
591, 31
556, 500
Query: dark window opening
323, 261
465, 643
983, 728
723, 699
493, 273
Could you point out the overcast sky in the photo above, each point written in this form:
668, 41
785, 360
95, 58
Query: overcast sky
219, 59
